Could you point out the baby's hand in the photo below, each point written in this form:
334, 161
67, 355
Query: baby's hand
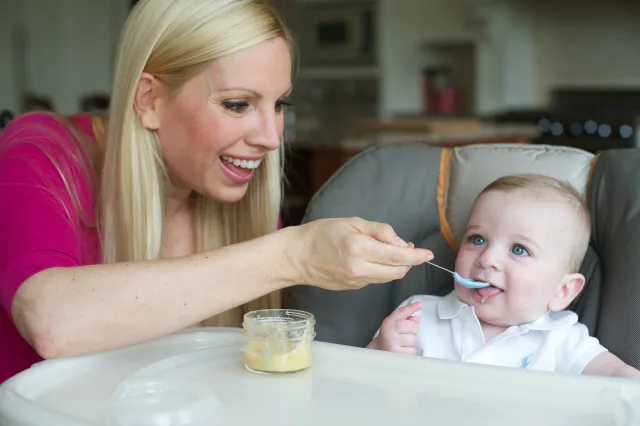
398, 330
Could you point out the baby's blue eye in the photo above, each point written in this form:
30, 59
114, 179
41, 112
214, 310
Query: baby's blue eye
476, 240
518, 250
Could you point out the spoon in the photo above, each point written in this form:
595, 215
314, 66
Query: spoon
465, 282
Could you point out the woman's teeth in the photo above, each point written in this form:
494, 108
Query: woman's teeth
245, 164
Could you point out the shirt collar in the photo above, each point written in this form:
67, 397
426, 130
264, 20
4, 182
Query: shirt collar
551, 320
450, 307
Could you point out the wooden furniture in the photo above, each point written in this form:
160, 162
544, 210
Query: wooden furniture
311, 160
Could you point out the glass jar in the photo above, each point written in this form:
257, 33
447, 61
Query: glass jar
278, 340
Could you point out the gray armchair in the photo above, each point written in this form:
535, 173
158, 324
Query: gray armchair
426, 192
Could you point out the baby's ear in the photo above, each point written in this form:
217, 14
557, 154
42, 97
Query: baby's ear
570, 286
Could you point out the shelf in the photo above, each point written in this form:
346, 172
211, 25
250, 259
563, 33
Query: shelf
339, 72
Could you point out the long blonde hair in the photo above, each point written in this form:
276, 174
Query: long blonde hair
173, 40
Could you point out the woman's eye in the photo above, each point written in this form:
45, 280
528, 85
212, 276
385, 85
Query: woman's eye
281, 104
236, 106
476, 240
519, 250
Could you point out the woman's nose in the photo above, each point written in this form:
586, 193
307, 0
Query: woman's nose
268, 131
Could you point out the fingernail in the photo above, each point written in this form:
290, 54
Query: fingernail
400, 241
429, 257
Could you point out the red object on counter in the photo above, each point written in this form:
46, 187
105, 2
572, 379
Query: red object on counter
441, 94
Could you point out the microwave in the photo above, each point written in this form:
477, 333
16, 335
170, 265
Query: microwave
338, 34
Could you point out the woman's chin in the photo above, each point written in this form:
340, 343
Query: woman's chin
226, 194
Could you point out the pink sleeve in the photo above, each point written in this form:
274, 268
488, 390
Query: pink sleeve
38, 223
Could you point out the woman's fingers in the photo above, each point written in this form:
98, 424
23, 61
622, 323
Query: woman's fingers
386, 254
380, 231
373, 273
385, 247
352, 253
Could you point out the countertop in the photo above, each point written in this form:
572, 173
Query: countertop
335, 138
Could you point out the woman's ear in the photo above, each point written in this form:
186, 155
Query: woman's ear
570, 286
145, 101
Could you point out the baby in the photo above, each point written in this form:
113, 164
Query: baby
527, 236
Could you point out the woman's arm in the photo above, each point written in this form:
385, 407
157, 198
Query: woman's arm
62, 308
76, 310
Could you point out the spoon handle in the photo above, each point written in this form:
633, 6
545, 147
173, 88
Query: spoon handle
466, 282
438, 266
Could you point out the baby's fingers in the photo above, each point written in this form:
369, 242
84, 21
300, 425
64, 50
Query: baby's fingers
407, 326
404, 340
405, 350
406, 311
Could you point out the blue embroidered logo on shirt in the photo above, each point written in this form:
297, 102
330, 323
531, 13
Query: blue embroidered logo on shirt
526, 361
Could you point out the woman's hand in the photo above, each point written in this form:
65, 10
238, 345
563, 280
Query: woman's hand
343, 254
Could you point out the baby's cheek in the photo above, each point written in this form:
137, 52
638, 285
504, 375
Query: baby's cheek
464, 294
528, 302
529, 292
463, 262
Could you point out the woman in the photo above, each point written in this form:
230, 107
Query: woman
165, 218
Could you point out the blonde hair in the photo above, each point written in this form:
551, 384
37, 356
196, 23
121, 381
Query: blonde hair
173, 40
547, 184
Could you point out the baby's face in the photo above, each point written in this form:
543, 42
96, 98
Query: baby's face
518, 241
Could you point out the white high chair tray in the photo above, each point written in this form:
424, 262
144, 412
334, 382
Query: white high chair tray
344, 386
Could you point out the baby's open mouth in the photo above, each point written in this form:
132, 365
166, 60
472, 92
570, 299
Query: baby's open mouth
488, 293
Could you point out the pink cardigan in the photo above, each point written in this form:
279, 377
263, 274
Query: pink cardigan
39, 224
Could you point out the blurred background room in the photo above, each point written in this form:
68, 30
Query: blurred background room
446, 72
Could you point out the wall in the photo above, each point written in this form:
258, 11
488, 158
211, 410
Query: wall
503, 36
525, 48
506, 69
526, 51
8, 82
68, 52
404, 26
587, 43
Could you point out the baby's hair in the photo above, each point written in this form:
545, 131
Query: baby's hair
546, 184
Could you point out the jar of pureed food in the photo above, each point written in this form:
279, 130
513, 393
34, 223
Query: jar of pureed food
278, 340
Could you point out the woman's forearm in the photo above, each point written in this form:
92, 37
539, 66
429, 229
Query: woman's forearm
78, 310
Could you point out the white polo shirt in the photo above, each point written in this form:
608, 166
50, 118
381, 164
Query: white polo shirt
449, 329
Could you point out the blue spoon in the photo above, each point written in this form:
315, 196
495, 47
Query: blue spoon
465, 282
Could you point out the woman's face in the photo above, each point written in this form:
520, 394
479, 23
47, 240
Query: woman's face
218, 128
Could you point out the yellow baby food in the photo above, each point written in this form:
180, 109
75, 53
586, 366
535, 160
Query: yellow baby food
278, 356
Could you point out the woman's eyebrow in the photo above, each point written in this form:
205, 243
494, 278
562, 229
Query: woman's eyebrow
240, 89
253, 92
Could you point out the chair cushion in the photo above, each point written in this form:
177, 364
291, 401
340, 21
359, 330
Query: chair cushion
614, 202
426, 193
465, 171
